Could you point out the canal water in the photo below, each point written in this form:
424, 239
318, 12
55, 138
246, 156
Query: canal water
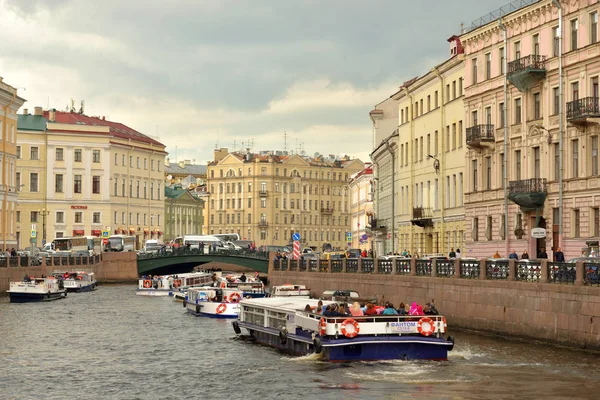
111, 344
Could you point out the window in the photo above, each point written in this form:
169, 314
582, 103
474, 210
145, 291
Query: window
145, 167
536, 44
518, 165
77, 184
78, 217
575, 147
428, 105
474, 70
596, 230
96, 156
488, 173
34, 216
502, 59
536, 163
435, 146
517, 50
116, 188
96, 218
77, 155
60, 217
501, 115
556, 98
34, 153
460, 86
263, 203
58, 183
33, 182
435, 101
555, 41
575, 91
594, 87
59, 154
475, 231
474, 118
460, 134
488, 65
517, 111
474, 164
576, 223
594, 28
556, 161
453, 89
137, 162
18, 152
594, 155
453, 137
488, 115
18, 181
537, 107
447, 92
96, 184
501, 167
574, 29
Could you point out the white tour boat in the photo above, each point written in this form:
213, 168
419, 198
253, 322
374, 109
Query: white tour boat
182, 282
213, 302
285, 323
249, 286
155, 286
79, 281
287, 290
36, 289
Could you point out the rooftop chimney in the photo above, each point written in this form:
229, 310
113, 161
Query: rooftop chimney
25, 111
52, 115
38, 111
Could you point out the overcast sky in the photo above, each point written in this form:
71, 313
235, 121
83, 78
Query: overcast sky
199, 73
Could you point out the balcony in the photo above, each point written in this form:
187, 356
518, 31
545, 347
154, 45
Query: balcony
422, 216
480, 135
529, 194
263, 223
326, 210
578, 111
263, 193
527, 71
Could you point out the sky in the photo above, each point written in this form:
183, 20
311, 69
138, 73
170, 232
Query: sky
200, 74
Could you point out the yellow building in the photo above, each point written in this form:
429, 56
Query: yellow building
267, 197
82, 175
431, 155
10, 102
361, 208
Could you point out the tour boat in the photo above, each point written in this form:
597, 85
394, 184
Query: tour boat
36, 289
79, 281
282, 322
288, 289
155, 286
213, 302
251, 287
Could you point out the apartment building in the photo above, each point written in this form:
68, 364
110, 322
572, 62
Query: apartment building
10, 102
266, 197
430, 158
83, 174
361, 208
520, 128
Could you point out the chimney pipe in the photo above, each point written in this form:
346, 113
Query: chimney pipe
25, 111
38, 111
52, 115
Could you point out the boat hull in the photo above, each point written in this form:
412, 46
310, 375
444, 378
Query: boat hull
384, 347
154, 292
209, 309
83, 288
18, 297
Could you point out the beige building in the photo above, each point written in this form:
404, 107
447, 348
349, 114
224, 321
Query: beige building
361, 208
267, 197
83, 174
430, 156
10, 102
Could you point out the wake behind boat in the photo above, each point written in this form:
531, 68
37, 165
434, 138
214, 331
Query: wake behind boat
33, 289
285, 323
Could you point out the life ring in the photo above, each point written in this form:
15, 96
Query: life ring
322, 326
177, 283
353, 331
425, 326
79, 278
234, 297
223, 285
444, 324
221, 308
147, 284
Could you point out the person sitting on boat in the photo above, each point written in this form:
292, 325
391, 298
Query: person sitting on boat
26, 278
389, 309
319, 309
413, 309
243, 277
343, 310
307, 308
402, 309
370, 309
355, 310
430, 309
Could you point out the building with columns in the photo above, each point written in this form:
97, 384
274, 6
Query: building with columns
266, 197
83, 174
524, 127
183, 213
10, 102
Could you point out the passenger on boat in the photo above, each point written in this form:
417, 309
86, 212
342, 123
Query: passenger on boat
389, 309
413, 309
343, 310
370, 309
26, 278
243, 277
430, 309
307, 308
355, 310
333, 311
319, 309
402, 309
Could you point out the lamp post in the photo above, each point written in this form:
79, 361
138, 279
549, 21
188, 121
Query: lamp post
43, 212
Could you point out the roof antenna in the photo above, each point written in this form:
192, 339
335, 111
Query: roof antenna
284, 141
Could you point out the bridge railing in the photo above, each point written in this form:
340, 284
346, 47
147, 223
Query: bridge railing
184, 251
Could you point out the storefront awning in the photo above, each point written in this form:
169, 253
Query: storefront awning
96, 232
78, 232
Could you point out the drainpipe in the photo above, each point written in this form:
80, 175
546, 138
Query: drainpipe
5, 181
560, 126
442, 163
504, 169
389, 149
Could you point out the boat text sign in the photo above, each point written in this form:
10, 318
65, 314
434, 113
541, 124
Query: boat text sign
404, 327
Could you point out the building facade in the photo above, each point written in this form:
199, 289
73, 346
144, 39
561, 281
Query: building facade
361, 208
10, 102
266, 197
430, 158
183, 213
520, 128
83, 174
185, 173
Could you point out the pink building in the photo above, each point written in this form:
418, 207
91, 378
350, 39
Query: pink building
533, 111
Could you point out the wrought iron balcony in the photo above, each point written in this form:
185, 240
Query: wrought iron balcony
530, 194
527, 71
479, 135
326, 210
263, 223
578, 111
263, 193
422, 216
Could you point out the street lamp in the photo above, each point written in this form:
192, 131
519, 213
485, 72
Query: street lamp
43, 212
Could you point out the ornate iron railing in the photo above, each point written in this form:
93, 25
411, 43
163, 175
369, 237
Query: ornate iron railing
591, 273
584, 107
385, 266
324, 266
531, 185
367, 266
403, 266
337, 265
313, 264
470, 269
445, 268
293, 265
559, 272
532, 61
303, 265
422, 213
277, 265
528, 271
423, 267
496, 269
478, 133
352, 265
284, 264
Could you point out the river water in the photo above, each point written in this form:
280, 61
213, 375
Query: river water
111, 344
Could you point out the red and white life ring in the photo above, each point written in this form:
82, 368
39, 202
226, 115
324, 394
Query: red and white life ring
425, 326
234, 297
177, 283
350, 328
322, 326
444, 324
221, 308
147, 284
223, 285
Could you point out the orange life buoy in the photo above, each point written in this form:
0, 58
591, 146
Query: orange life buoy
322, 326
221, 308
223, 285
350, 328
425, 326
445, 324
234, 297
79, 278
177, 283
147, 284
